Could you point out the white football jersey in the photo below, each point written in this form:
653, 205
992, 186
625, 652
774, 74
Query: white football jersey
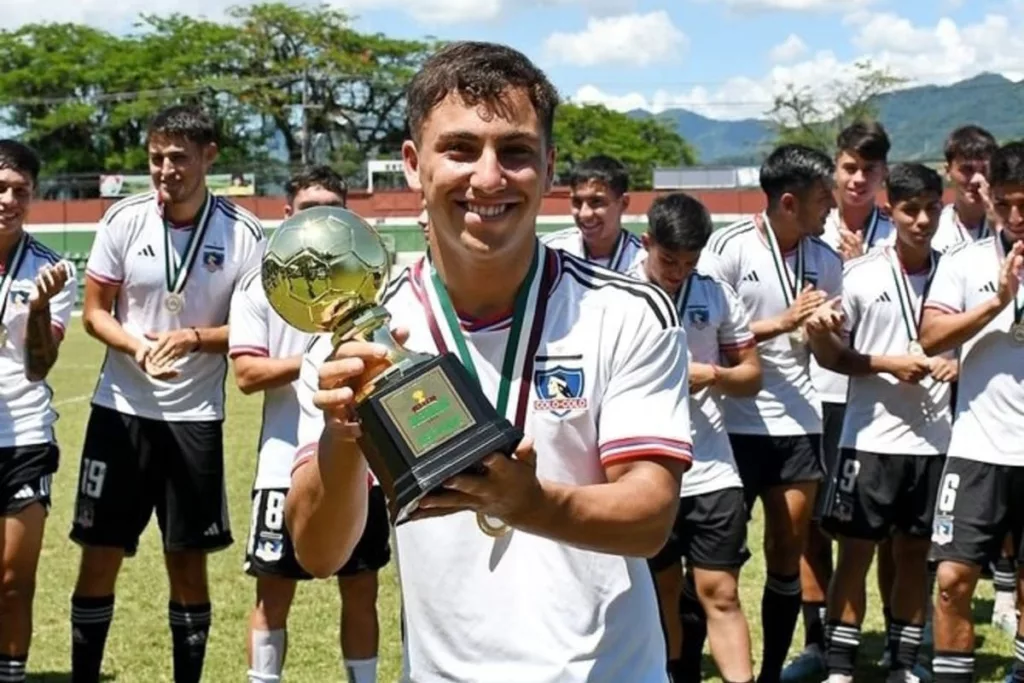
627, 251
715, 320
952, 231
600, 376
988, 422
257, 330
28, 411
741, 255
130, 252
878, 232
882, 306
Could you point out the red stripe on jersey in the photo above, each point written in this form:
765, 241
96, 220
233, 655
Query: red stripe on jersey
102, 279
739, 344
935, 306
634, 448
58, 331
236, 351
646, 453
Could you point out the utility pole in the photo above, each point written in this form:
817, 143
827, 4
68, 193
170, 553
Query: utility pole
305, 117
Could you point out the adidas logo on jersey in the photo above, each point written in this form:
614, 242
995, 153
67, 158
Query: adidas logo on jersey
147, 251
884, 298
989, 288
751, 277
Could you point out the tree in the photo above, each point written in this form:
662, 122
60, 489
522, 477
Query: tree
582, 131
800, 116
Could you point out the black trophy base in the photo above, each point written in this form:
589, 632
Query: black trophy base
423, 425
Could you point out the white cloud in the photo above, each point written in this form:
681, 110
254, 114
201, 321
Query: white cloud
941, 53
788, 50
430, 11
596, 8
634, 39
796, 5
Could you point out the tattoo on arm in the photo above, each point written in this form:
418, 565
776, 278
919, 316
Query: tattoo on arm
40, 344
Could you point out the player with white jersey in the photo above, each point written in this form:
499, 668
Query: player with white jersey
967, 152
37, 292
711, 525
976, 305
158, 289
599, 193
853, 228
595, 376
782, 272
267, 354
896, 427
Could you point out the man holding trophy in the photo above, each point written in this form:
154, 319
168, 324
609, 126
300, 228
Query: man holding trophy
536, 429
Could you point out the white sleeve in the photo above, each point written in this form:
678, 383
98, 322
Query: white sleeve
850, 309
645, 409
64, 302
718, 265
247, 321
735, 331
106, 256
947, 291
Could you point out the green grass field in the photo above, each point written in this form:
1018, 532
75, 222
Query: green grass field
138, 649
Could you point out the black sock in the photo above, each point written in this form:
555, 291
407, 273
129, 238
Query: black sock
1004, 575
12, 668
190, 626
904, 643
90, 623
887, 616
953, 667
780, 608
843, 643
814, 624
1018, 660
675, 671
695, 631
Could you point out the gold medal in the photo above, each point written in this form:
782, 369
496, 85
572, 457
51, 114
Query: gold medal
492, 526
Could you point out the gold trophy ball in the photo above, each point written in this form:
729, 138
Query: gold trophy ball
320, 265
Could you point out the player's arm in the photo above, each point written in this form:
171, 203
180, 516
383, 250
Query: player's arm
254, 373
98, 320
210, 339
790, 319
740, 374
248, 341
49, 310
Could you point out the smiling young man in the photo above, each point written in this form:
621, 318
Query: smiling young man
37, 293
782, 272
968, 150
895, 429
976, 305
157, 294
267, 354
711, 526
558, 588
599, 194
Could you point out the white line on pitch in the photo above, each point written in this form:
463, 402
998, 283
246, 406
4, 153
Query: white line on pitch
73, 399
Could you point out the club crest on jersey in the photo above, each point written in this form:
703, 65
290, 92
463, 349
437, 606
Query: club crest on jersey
698, 317
559, 390
213, 258
20, 296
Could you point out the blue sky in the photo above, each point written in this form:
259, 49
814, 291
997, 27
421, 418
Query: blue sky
722, 58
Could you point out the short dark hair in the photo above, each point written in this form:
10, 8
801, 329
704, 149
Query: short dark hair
866, 139
679, 222
912, 181
970, 142
604, 169
794, 168
1006, 166
480, 73
19, 157
184, 121
316, 176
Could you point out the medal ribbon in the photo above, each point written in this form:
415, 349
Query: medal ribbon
618, 251
11, 268
527, 312
965, 234
790, 289
177, 270
683, 296
869, 234
911, 317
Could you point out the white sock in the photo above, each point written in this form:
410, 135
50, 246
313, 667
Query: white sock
361, 670
267, 656
1006, 601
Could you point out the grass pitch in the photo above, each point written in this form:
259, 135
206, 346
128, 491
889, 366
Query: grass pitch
139, 646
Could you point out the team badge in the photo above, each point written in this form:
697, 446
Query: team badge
699, 317
85, 516
213, 258
942, 530
559, 390
19, 297
269, 550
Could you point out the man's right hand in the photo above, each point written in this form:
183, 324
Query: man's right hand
144, 358
910, 369
1010, 274
803, 307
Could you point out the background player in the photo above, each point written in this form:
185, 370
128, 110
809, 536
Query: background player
711, 526
854, 227
37, 294
267, 355
157, 294
896, 428
975, 305
591, 491
782, 273
599, 192
967, 152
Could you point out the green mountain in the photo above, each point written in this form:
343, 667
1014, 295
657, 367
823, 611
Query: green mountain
918, 120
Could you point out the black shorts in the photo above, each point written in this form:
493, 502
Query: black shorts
26, 473
832, 415
765, 462
873, 495
131, 465
270, 551
978, 505
710, 532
